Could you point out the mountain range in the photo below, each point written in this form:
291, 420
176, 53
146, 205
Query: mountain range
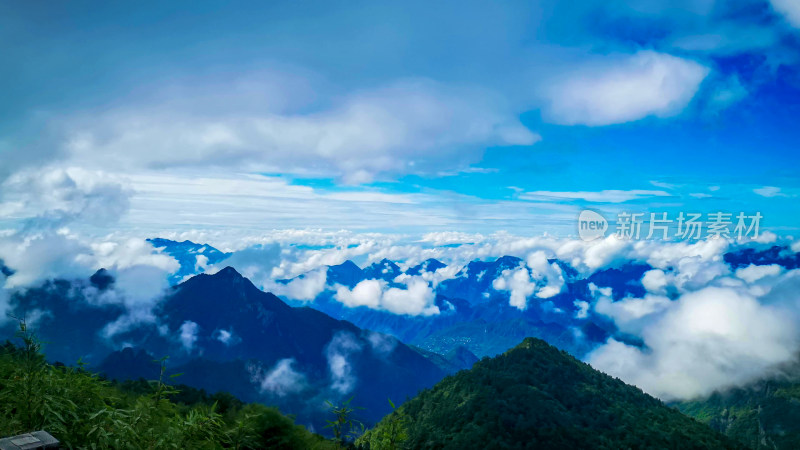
223, 333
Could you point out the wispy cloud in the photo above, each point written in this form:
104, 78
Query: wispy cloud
770, 191
604, 196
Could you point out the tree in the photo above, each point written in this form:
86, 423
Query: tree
344, 426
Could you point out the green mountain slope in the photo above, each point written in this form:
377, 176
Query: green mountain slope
535, 396
84, 411
763, 415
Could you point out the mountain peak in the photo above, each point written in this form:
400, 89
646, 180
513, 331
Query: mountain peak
346, 273
349, 265
538, 394
531, 343
228, 272
508, 260
102, 279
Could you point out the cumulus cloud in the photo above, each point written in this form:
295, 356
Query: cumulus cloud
283, 379
629, 312
366, 293
50, 197
538, 276
518, 282
753, 273
711, 339
620, 89
48, 202
42, 256
655, 281
437, 276
305, 287
417, 298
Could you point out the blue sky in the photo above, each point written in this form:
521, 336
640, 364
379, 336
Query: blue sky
396, 117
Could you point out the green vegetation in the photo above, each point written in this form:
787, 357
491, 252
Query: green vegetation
84, 411
535, 396
391, 435
762, 415
345, 428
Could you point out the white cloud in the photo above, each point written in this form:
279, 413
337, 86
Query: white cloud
451, 237
753, 273
583, 309
769, 191
281, 380
606, 196
187, 335
789, 9
629, 312
226, 337
417, 298
518, 283
165, 201
626, 88
201, 262
434, 278
383, 344
538, 276
766, 237
409, 126
257, 263
366, 293
654, 281
662, 185
50, 197
122, 254
343, 346
44, 256
706, 340
306, 287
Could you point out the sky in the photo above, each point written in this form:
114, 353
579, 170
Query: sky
302, 134
397, 118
